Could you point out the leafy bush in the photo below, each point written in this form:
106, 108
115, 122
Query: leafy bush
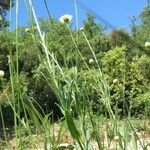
127, 79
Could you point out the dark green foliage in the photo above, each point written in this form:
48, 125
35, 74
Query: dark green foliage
5, 47
4, 6
7, 115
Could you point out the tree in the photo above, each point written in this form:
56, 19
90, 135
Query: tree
91, 27
144, 28
133, 25
145, 15
119, 37
4, 6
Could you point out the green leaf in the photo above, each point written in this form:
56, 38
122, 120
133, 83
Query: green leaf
45, 120
72, 128
33, 116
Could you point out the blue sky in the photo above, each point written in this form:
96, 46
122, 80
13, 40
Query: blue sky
116, 12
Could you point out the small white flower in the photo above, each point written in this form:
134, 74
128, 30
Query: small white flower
147, 44
2, 73
8, 56
116, 137
27, 29
81, 29
91, 61
115, 80
65, 19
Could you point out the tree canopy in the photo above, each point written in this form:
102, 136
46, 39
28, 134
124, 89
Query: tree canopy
4, 7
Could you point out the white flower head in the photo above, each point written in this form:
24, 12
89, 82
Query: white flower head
8, 57
81, 29
65, 19
115, 80
27, 29
91, 61
116, 138
2, 73
147, 44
